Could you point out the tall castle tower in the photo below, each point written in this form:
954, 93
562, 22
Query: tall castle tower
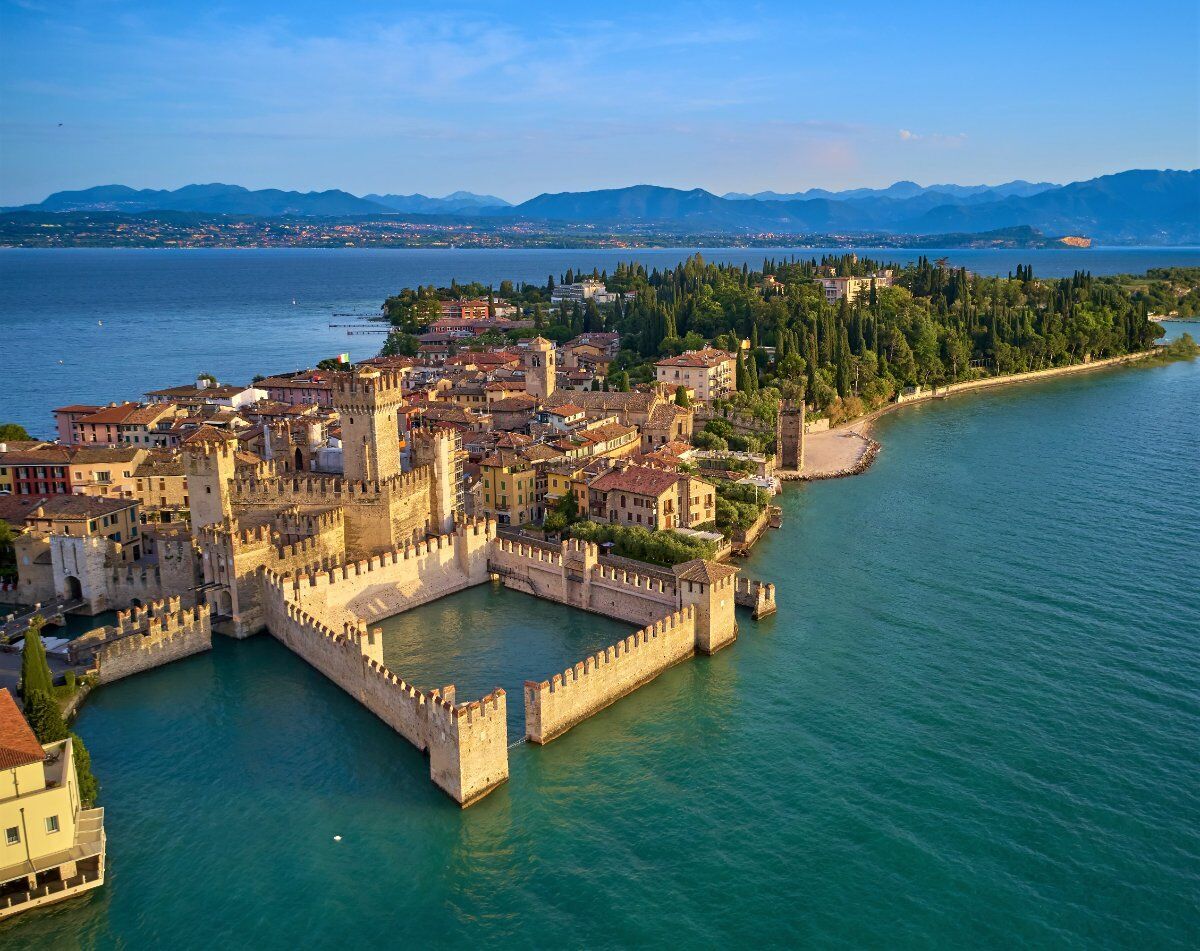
789, 436
367, 400
540, 371
209, 463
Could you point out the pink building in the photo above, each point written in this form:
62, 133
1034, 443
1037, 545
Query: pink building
65, 418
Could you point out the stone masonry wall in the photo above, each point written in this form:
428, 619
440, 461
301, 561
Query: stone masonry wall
146, 638
573, 575
553, 707
384, 585
467, 743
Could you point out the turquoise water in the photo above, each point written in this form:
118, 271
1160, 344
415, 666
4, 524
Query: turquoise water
95, 325
973, 723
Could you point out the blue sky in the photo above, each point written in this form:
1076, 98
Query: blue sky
516, 99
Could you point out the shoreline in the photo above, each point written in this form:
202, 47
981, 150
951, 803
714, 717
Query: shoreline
839, 460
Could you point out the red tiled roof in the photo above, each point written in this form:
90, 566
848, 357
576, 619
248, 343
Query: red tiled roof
111, 414
18, 744
637, 480
708, 357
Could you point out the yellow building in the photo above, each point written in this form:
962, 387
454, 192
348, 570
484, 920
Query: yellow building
83, 516
105, 471
160, 485
709, 373
51, 847
510, 488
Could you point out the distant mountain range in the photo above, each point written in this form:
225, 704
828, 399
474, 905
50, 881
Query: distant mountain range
906, 190
467, 202
1160, 207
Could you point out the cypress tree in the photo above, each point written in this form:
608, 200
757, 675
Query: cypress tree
45, 717
35, 671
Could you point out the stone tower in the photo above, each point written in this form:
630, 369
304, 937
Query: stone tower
709, 587
789, 436
210, 463
540, 370
440, 449
367, 401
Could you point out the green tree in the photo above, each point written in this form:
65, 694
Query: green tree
681, 396
45, 717
13, 432
35, 670
89, 787
400, 344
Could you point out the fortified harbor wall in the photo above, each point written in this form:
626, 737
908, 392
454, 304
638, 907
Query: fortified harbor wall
144, 638
554, 706
467, 743
573, 575
374, 588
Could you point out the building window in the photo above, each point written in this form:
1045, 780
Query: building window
51, 824
13, 835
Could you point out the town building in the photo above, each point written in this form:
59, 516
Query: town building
65, 418
207, 391
510, 493
44, 469
475, 309
52, 847
103, 427
851, 288
307, 388
651, 498
581, 291
709, 373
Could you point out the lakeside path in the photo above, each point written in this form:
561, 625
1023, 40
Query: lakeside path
849, 449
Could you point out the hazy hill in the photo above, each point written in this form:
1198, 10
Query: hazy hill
212, 199
465, 202
905, 189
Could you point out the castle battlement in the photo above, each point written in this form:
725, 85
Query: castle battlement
633, 579
554, 706
144, 638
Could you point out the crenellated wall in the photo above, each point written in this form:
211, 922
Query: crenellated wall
374, 588
378, 515
552, 707
144, 638
574, 575
757, 595
467, 743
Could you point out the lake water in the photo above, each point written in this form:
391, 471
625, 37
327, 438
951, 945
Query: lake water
94, 325
973, 723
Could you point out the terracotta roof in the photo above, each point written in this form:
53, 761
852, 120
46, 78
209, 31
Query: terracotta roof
78, 408
708, 357
111, 414
598, 399
700, 570
207, 434
637, 480
566, 409
513, 404
15, 508
92, 455
149, 414
18, 744
79, 507
45, 454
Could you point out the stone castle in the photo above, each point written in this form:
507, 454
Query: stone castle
316, 559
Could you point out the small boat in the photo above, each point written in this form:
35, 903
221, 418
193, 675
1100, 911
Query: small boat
99, 323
